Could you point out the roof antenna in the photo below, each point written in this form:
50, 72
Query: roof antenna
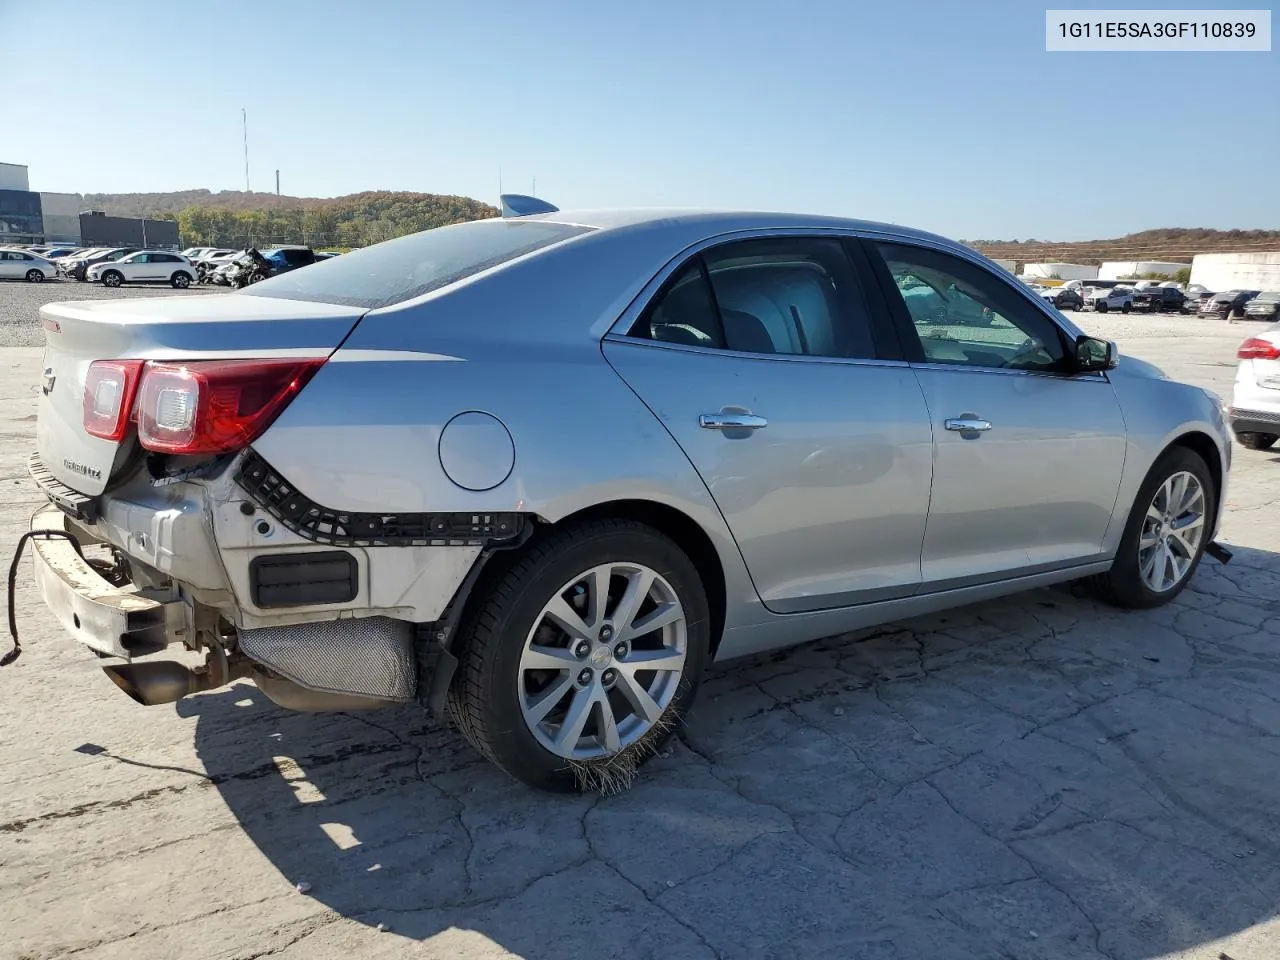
518, 205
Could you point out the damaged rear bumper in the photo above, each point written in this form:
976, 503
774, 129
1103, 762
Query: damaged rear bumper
119, 621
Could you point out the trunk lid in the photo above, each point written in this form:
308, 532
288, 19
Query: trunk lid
212, 327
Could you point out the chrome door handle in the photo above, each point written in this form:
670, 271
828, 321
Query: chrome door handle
731, 421
967, 424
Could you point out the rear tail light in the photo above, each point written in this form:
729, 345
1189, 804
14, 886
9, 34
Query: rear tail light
215, 406
1255, 348
109, 389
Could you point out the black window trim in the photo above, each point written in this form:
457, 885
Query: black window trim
914, 350
885, 338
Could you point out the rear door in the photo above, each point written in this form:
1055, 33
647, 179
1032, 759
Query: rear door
11, 265
136, 266
787, 393
1027, 455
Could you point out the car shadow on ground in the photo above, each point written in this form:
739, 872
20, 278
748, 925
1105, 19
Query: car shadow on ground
1040, 776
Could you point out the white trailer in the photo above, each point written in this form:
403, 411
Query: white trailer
1236, 271
1063, 271
1117, 269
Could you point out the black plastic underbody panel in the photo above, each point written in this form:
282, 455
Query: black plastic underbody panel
73, 503
303, 578
308, 519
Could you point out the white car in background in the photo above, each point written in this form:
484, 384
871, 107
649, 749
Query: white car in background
1255, 400
23, 265
214, 257
145, 266
1102, 300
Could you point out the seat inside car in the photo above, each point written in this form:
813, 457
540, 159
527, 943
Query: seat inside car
778, 308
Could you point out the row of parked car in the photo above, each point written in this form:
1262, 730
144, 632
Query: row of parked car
1126, 295
114, 266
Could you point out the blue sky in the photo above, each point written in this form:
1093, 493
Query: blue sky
948, 116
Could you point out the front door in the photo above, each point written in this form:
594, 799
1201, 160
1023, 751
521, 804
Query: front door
1028, 454
764, 363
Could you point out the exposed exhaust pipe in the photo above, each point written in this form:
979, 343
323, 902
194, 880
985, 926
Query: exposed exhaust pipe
153, 682
157, 681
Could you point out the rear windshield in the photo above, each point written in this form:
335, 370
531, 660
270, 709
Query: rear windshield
402, 269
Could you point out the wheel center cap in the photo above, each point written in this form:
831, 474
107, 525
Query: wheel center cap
601, 657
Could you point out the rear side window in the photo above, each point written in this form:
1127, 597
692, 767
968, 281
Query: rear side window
402, 269
790, 295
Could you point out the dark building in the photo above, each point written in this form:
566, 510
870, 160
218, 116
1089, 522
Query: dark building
21, 219
99, 230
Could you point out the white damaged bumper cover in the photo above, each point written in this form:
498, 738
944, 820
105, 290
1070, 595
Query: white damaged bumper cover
210, 545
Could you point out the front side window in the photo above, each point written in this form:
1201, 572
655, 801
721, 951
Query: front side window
794, 295
962, 314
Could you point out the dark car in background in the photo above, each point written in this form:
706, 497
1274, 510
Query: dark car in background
1265, 306
284, 259
1158, 299
1228, 303
1064, 299
78, 268
1197, 299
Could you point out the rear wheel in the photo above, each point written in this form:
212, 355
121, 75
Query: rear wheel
1257, 441
35, 276
1165, 536
112, 278
582, 656
1126, 307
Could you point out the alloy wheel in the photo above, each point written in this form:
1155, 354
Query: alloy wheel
1172, 532
603, 661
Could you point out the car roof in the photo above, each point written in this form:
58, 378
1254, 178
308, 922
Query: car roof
721, 221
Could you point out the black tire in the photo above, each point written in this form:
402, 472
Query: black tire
1122, 585
180, 280
1101, 307
484, 698
1257, 441
35, 276
112, 278
1126, 307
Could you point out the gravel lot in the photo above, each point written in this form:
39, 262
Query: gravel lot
20, 303
1039, 777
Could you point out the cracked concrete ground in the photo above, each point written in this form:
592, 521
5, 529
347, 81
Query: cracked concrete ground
1038, 777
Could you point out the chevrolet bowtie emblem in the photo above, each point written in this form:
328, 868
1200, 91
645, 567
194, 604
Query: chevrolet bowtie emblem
46, 381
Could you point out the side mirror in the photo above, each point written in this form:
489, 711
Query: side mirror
1093, 354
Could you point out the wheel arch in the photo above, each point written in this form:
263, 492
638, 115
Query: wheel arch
671, 522
1203, 445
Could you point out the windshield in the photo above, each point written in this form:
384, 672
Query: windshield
402, 269
1271, 296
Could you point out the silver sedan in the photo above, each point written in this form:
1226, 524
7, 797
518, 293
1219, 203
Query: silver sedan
541, 470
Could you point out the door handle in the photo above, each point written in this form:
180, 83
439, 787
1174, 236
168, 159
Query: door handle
967, 424
731, 421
